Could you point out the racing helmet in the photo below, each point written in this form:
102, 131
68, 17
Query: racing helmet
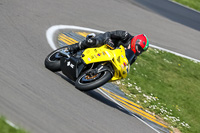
139, 43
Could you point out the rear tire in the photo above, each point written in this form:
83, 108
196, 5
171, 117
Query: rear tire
52, 61
84, 85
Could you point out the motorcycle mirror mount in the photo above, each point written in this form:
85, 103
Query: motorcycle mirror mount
64, 53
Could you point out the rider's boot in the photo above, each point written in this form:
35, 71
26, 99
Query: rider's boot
89, 42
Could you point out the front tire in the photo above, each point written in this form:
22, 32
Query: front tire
85, 83
52, 61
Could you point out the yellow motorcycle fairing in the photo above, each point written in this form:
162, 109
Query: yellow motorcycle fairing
117, 57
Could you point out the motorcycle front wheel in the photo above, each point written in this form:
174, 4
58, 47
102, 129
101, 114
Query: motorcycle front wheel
88, 81
52, 61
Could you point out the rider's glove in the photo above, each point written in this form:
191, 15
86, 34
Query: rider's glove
72, 48
109, 43
87, 43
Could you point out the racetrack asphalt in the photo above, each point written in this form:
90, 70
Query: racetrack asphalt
43, 102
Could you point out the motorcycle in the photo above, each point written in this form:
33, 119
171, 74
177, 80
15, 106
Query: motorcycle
92, 67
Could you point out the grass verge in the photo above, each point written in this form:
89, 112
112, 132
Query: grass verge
6, 128
194, 4
168, 86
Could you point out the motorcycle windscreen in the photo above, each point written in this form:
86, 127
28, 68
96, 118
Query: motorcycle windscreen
130, 56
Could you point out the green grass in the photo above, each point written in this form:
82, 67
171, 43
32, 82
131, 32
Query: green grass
6, 128
167, 85
195, 4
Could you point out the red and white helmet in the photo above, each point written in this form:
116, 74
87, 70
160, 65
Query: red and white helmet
139, 43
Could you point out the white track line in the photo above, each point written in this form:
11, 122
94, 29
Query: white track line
50, 32
178, 54
184, 6
11, 124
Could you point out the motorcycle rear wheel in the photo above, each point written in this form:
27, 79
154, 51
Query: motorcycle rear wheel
52, 61
86, 82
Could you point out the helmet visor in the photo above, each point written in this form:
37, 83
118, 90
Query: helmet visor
139, 49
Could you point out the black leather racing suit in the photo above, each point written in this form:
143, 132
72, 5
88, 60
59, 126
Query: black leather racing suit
118, 37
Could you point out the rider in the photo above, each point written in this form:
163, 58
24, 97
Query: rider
134, 45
